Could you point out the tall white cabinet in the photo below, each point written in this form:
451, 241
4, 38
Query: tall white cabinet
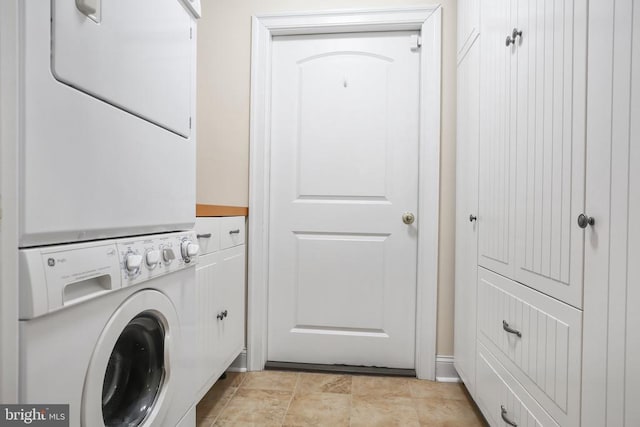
556, 115
467, 196
611, 357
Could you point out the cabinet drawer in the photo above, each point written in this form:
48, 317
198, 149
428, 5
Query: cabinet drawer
537, 339
500, 397
208, 230
232, 231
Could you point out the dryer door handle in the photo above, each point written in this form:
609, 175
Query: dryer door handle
92, 9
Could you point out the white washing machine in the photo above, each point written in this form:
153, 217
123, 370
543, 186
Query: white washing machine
107, 117
108, 327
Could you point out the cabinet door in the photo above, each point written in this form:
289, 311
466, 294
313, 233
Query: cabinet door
207, 333
466, 210
231, 288
550, 122
135, 55
611, 352
468, 24
497, 140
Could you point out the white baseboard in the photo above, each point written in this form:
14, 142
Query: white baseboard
445, 371
240, 364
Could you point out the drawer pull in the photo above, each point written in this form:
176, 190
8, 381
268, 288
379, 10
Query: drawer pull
204, 236
236, 231
505, 419
509, 329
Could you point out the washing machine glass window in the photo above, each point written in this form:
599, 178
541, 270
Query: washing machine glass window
135, 372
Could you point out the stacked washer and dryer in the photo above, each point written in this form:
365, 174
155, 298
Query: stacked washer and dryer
107, 203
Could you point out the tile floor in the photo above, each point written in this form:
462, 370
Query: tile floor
274, 398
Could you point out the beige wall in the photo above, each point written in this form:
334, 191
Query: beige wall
224, 51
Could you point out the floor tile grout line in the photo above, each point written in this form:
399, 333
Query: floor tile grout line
293, 393
350, 400
229, 400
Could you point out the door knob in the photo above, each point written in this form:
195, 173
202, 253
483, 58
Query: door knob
584, 220
408, 218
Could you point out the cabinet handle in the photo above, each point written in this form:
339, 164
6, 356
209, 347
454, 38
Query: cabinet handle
503, 413
236, 231
92, 9
472, 218
516, 33
225, 313
584, 220
204, 236
509, 329
512, 38
219, 316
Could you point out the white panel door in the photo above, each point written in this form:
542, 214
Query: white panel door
344, 170
497, 140
466, 216
550, 120
137, 56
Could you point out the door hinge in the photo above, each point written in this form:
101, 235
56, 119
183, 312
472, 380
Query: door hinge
191, 33
416, 42
189, 122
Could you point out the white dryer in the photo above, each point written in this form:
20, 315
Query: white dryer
109, 328
107, 98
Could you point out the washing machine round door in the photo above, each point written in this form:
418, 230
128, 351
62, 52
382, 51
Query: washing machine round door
129, 381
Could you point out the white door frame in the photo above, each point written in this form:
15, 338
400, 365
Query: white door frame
428, 20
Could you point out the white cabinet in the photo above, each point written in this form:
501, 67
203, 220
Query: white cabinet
611, 357
549, 122
537, 339
503, 400
497, 140
525, 307
532, 143
468, 25
557, 298
220, 292
466, 216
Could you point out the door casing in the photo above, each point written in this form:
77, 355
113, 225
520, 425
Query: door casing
428, 20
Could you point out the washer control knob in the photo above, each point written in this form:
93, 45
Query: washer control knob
168, 255
132, 263
189, 250
152, 258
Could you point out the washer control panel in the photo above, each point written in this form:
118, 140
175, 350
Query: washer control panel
54, 277
146, 257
